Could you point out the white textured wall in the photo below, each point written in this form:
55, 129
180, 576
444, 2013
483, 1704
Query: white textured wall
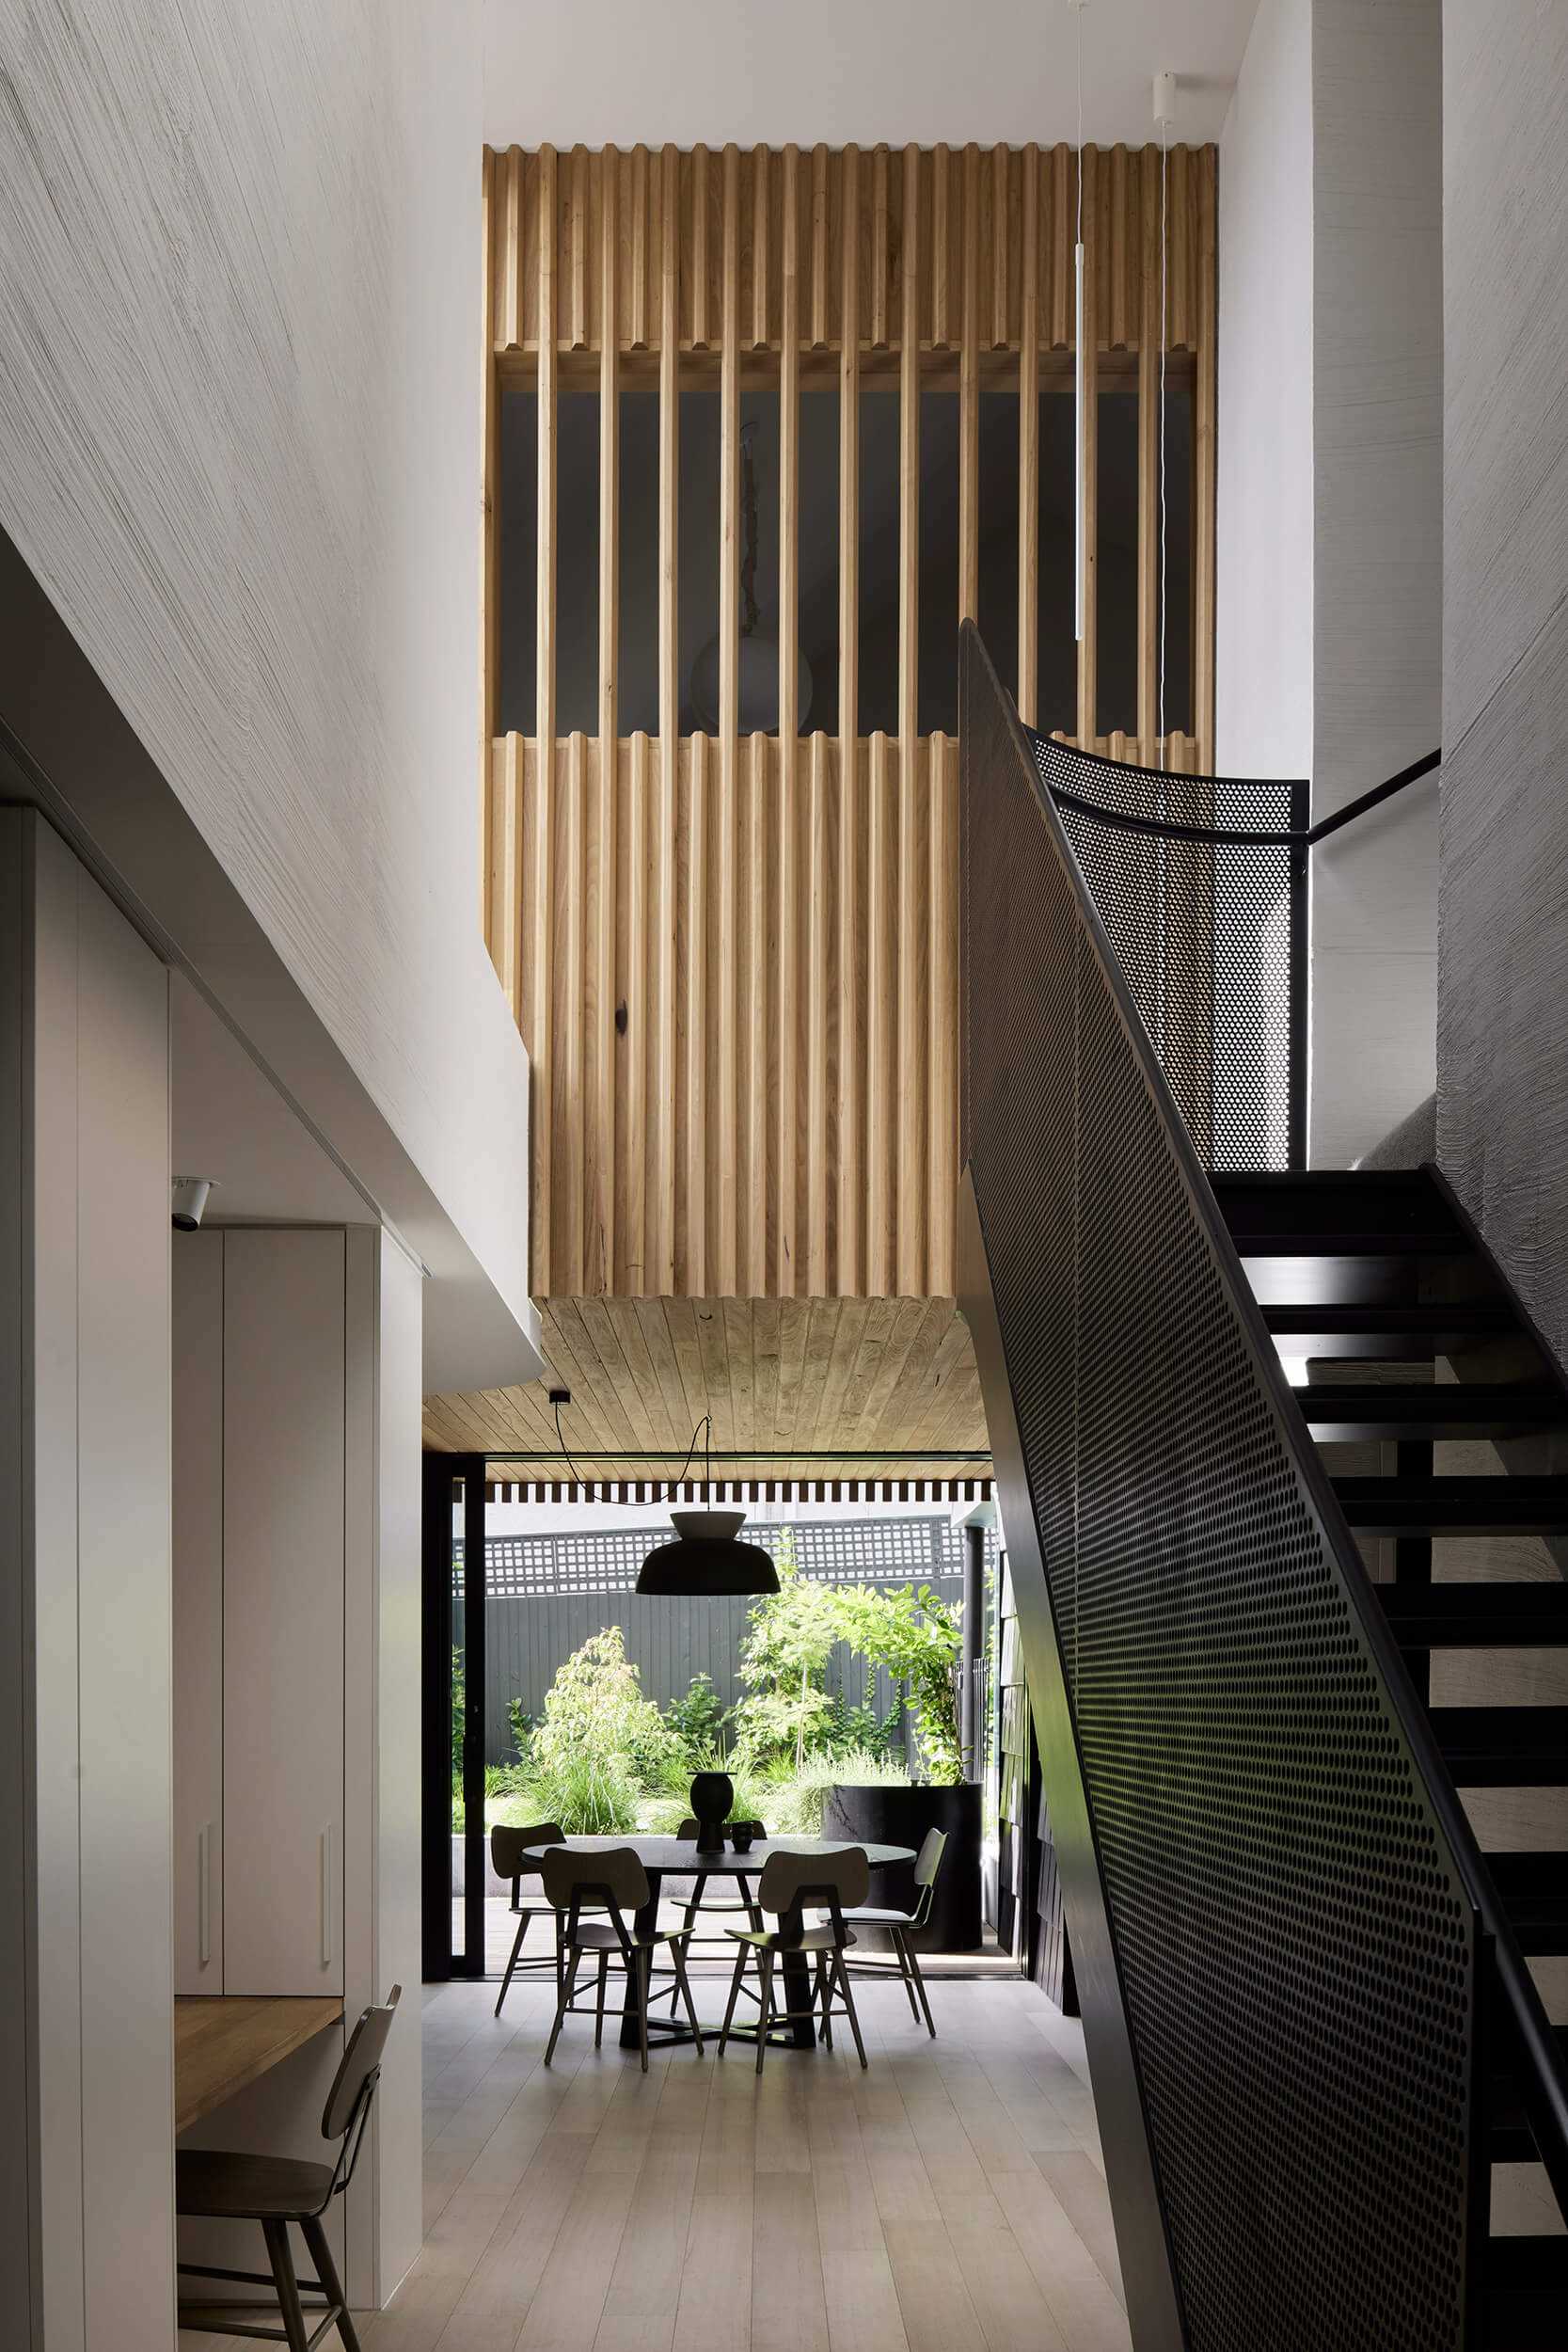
874, 70
1503, 971
1263, 617
1377, 371
239, 430
1330, 511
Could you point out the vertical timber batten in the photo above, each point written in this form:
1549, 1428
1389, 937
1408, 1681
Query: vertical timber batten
734, 959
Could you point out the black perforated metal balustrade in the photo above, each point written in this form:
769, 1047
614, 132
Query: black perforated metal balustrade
1205, 902
1294, 1946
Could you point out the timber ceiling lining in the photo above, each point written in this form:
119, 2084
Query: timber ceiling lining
796, 1388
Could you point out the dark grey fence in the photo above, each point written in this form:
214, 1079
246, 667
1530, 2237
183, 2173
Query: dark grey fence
548, 1594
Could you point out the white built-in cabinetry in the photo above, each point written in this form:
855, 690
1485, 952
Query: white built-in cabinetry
259, 1404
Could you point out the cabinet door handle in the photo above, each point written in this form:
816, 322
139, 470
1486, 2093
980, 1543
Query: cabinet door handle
205, 1893
325, 1846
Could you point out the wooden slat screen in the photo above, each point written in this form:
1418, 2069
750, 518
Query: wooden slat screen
734, 959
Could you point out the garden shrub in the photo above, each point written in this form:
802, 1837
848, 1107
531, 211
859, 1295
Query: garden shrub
916, 1636
589, 1794
596, 1705
699, 1721
796, 1803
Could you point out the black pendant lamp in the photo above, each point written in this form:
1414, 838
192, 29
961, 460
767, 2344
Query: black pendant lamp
706, 1561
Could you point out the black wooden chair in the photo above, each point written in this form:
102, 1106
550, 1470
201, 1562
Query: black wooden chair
837, 1881
611, 1880
509, 1860
210, 2184
899, 1925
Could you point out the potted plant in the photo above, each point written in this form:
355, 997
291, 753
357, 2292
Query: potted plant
916, 1636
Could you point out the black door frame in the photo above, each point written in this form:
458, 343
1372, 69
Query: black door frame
442, 1473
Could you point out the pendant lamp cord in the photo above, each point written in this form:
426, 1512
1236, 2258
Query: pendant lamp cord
1164, 250
707, 1423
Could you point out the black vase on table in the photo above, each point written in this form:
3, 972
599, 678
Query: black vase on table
712, 1795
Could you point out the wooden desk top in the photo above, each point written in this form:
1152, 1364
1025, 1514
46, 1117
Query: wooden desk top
223, 2041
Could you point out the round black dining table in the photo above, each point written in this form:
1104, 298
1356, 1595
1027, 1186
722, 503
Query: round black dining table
678, 1857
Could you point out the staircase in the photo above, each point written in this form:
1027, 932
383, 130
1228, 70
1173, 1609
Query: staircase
1443, 1425
1295, 1640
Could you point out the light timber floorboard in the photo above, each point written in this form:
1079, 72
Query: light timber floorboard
951, 2198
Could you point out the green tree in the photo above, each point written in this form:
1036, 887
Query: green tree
595, 1707
784, 1664
915, 1635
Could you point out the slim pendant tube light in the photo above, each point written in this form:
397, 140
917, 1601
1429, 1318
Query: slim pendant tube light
1164, 117
1080, 444
1079, 485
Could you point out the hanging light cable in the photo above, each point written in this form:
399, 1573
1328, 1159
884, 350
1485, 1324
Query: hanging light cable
1080, 450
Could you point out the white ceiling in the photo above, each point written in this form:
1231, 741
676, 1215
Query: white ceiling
841, 70
230, 1123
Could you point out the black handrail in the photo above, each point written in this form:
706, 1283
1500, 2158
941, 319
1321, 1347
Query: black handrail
1383, 791
1263, 1050
1283, 837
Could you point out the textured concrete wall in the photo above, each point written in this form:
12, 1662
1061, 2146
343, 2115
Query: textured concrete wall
1502, 1127
239, 436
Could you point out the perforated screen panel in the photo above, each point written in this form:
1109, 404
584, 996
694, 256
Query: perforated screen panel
1294, 1947
1209, 934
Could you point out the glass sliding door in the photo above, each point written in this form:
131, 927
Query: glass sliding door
454, 1727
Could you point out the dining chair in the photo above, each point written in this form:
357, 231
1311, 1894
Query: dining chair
509, 1858
837, 1880
716, 1906
900, 1924
211, 2184
613, 1882
697, 1903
